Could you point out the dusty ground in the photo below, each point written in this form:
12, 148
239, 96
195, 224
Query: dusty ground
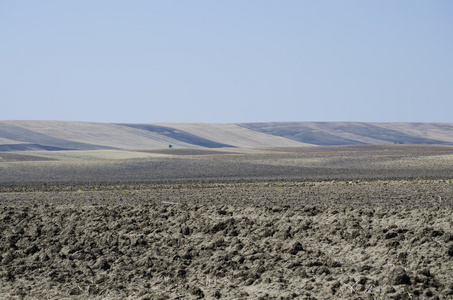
365, 162
232, 239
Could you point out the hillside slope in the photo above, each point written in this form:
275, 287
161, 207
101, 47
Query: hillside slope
355, 133
66, 135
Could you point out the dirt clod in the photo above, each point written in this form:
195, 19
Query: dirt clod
399, 276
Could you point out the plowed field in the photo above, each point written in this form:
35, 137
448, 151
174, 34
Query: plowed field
230, 239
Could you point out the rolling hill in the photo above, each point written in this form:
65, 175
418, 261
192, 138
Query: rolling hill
69, 135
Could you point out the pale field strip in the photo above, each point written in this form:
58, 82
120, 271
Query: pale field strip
234, 135
151, 140
437, 131
297, 161
426, 162
6, 141
331, 129
91, 155
103, 134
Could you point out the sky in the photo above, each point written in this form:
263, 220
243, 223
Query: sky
226, 61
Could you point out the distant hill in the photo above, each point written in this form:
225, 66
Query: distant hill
62, 135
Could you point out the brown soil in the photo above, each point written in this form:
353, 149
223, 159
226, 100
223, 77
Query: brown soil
262, 240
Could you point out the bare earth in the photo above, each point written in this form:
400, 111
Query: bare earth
360, 222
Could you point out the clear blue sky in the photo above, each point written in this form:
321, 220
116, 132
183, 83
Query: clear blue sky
226, 60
